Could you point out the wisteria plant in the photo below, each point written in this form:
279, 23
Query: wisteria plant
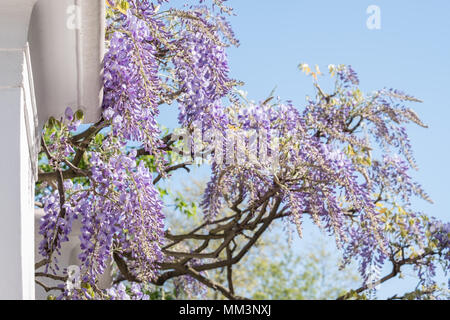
342, 160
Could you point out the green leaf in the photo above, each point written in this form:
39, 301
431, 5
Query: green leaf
79, 115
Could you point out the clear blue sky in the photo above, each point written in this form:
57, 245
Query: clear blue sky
410, 52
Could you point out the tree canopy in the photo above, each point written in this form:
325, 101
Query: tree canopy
343, 160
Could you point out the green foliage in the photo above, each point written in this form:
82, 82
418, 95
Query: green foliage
297, 278
186, 207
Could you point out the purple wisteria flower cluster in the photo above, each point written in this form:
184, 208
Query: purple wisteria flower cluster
325, 168
202, 67
131, 82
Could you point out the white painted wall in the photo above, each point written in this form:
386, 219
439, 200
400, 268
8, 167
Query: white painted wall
17, 162
66, 40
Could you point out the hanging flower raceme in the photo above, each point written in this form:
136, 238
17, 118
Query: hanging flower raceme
120, 211
202, 69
